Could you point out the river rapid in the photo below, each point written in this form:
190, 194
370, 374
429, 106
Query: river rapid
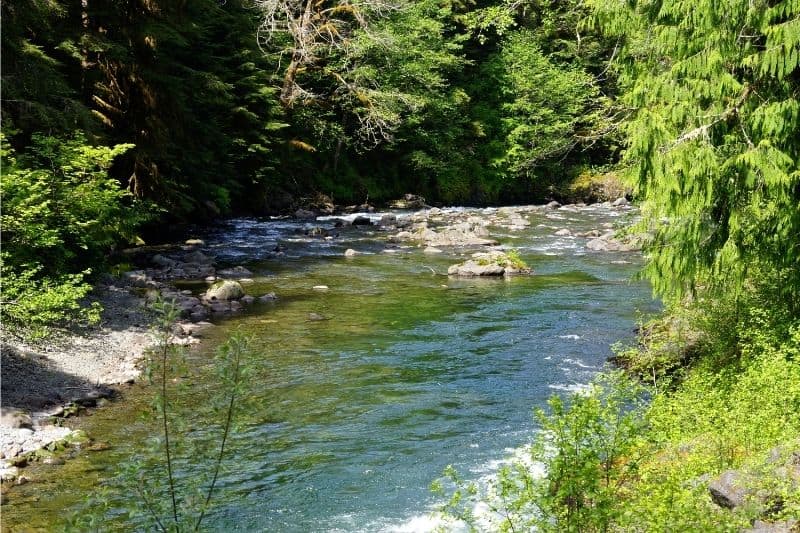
363, 393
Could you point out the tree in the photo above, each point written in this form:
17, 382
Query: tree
713, 91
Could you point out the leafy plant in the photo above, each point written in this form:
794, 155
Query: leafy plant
590, 448
167, 499
62, 214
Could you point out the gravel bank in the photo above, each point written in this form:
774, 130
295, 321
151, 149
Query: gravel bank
74, 367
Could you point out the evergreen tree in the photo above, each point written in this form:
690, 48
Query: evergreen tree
714, 137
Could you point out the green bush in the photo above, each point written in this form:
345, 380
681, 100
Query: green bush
62, 214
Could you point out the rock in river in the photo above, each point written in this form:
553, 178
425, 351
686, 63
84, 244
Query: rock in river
493, 263
225, 290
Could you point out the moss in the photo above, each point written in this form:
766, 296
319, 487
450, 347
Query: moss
593, 186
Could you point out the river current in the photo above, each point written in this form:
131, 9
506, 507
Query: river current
363, 393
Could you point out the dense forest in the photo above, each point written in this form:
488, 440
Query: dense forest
119, 115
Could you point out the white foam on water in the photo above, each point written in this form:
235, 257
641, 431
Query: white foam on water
570, 387
572, 336
485, 518
579, 363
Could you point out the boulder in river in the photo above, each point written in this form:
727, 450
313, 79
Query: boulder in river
305, 214
224, 291
389, 219
350, 253
409, 201
607, 242
362, 221
494, 263
620, 202
553, 205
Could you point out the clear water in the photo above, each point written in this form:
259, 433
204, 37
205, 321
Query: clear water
353, 416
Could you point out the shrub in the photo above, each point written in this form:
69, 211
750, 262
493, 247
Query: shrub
62, 213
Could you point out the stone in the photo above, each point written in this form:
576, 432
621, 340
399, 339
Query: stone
729, 490
621, 201
563, 232
553, 205
388, 219
784, 526
237, 271
9, 473
495, 263
305, 214
409, 201
137, 278
606, 243
315, 317
247, 299
473, 268
220, 308
163, 261
11, 417
350, 253
269, 297
195, 242
316, 231
362, 221
224, 291
198, 258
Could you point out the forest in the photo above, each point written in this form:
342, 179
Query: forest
121, 116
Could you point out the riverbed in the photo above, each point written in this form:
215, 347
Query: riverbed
365, 391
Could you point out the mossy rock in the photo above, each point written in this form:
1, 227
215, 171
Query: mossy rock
590, 186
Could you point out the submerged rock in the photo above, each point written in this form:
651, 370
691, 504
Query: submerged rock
198, 258
237, 271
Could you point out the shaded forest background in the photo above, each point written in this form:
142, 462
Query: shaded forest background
462, 102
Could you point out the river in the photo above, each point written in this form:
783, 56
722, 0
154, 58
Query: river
365, 392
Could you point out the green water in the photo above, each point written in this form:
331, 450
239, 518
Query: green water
353, 416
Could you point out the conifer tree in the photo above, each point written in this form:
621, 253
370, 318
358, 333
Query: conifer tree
713, 92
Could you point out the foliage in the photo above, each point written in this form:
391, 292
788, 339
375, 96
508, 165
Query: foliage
61, 215
175, 479
712, 89
32, 303
733, 405
589, 449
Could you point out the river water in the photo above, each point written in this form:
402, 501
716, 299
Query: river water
353, 416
